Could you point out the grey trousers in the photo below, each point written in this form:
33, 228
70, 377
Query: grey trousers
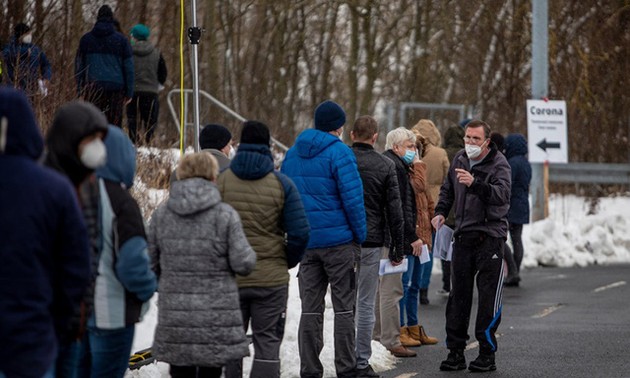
266, 308
390, 292
366, 299
319, 267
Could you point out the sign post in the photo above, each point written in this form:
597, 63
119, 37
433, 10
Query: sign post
547, 140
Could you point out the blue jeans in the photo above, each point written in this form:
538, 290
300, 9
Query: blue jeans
49, 374
73, 361
366, 298
426, 269
109, 350
409, 301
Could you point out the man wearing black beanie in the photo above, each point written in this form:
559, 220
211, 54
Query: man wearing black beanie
270, 208
27, 66
325, 172
217, 140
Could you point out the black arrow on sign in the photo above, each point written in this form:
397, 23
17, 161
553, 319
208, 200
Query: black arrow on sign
543, 144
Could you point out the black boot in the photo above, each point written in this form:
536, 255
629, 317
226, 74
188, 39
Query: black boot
485, 362
454, 361
424, 296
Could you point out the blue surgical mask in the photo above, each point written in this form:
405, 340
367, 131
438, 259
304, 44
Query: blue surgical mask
408, 156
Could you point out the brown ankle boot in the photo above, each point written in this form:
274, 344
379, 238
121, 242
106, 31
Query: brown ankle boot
424, 339
406, 340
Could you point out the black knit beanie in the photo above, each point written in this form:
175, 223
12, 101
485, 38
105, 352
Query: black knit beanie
329, 116
255, 132
214, 136
20, 29
105, 14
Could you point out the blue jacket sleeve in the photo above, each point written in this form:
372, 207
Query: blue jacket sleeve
44, 64
350, 189
294, 222
133, 268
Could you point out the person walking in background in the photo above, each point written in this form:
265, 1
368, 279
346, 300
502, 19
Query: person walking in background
516, 154
44, 251
149, 75
125, 282
325, 172
437, 168
27, 66
453, 143
104, 67
384, 217
478, 186
75, 148
401, 150
197, 245
276, 227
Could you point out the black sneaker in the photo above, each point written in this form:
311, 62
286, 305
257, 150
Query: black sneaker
483, 363
454, 361
367, 372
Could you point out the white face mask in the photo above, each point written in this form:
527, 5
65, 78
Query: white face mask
28, 38
232, 152
94, 154
473, 151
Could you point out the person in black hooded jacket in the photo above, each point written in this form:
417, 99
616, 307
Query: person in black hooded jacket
75, 148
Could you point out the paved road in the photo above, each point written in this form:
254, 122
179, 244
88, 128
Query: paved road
561, 322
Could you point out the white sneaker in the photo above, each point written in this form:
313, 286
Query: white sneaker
443, 293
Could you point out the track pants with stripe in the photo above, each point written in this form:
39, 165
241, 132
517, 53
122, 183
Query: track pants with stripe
476, 256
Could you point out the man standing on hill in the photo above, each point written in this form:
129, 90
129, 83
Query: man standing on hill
325, 172
104, 67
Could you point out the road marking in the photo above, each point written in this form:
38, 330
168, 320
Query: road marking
475, 344
611, 286
407, 375
548, 311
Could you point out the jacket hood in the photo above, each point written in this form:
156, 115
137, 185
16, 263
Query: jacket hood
121, 158
515, 145
312, 142
252, 161
430, 132
454, 137
19, 133
73, 122
142, 48
103, 28
192, 195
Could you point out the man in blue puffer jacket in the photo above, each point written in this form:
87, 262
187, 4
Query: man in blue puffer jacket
104, 67
325, 172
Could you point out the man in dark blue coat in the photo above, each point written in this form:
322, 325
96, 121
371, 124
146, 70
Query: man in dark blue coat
104, 67
26, 64
44, 250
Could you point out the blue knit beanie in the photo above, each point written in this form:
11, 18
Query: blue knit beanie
140, 32
329, 116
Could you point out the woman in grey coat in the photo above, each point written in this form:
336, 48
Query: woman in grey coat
197, 245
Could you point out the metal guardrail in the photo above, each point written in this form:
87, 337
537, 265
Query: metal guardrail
214, 101
589, 173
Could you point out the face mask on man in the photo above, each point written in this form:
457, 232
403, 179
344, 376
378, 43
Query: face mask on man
473, 151
408, 156
232, 152
94, 154
27, 38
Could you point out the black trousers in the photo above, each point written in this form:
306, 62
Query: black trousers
142, 116
195, 372
475, 255
111, 103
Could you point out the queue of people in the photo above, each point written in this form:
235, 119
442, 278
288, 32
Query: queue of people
221, 246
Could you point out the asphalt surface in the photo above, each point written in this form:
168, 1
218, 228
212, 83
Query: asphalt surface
560, 322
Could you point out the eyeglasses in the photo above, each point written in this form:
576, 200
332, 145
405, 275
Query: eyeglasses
474, 140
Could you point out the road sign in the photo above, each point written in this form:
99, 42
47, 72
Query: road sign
547, 131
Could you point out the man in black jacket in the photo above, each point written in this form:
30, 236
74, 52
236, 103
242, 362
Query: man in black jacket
383, 208
478, 186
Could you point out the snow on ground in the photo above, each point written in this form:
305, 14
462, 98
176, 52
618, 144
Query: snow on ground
576, 233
